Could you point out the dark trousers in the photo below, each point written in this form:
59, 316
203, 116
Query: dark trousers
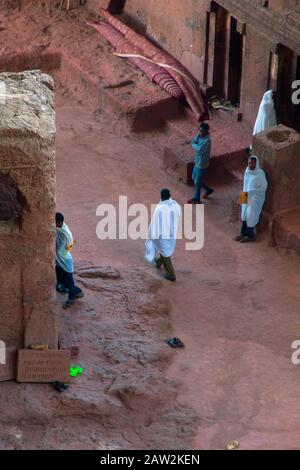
247, 231
199, 183
67, 280
167, 264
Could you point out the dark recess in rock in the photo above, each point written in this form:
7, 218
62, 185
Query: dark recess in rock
10, 199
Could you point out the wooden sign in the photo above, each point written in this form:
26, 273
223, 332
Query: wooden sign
43, 366
8, 371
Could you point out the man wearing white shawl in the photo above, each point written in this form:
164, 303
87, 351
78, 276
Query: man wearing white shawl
266, 117
255, 187
64, 262
162, 235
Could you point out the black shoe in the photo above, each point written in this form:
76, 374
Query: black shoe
170, 278
239, 238
247, 240
68, 304
80, 295
208, 193
60, 386
175, 343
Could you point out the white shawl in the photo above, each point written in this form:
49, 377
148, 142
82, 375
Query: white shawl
266, 117
162, 234
256, 185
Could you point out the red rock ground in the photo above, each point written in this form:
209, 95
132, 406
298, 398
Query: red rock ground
234, 306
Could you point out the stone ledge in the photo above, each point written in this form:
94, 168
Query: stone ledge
287, 230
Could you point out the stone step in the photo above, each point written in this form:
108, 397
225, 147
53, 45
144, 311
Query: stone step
286, 231
229, 150
127, 93
234, 115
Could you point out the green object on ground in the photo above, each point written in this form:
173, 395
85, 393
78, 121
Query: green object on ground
75, 370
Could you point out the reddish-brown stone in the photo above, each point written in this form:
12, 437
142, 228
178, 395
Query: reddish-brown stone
279, 149
27, 151
200, 399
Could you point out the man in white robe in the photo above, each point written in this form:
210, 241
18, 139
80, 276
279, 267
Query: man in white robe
255, 188
162, 235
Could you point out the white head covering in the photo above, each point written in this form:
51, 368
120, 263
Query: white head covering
257, 167
256, 185
266, 117
255, 179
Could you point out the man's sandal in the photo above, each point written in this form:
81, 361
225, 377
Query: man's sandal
80, 295
68, 304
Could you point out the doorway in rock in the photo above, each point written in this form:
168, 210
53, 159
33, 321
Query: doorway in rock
116, 6
228, 54
288, 72
235, 63
220, 52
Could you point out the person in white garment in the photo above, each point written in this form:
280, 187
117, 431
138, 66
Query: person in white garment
266, 117
255, 188
162, 235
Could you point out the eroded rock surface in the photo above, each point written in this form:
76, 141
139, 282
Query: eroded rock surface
27, 208
123, 399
